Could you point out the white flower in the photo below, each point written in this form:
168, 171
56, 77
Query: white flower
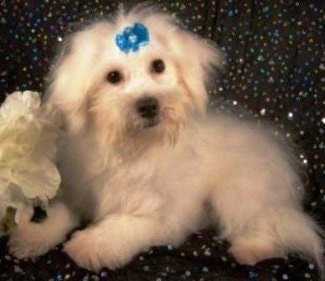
29, 133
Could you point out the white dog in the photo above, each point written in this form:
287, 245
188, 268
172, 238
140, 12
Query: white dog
146, 164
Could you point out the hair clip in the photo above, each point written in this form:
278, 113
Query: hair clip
132, 38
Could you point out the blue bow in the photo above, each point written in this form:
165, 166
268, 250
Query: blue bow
132, 38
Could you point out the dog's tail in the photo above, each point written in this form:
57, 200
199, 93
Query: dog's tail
296, 232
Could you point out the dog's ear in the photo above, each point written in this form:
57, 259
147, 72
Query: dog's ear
199, 61
69, 78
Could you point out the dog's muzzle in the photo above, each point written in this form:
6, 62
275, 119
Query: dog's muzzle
148, 109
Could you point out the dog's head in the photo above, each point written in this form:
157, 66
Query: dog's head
139, 73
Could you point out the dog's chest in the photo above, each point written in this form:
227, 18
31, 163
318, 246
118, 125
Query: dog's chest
144, 185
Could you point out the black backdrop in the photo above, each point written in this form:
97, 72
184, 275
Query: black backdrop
274, 52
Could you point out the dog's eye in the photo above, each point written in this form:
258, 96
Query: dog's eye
158, 66
114, 77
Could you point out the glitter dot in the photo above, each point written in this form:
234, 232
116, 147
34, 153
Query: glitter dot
252, 275
207, 252
285, 277
205, 269
58, 277
146, 268
290, 115
311, 266
307, 275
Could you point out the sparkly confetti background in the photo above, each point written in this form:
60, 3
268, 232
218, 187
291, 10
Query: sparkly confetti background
275, 71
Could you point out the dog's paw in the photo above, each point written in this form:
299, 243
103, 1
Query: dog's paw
251, 252
90, 250
83, 251
28, 242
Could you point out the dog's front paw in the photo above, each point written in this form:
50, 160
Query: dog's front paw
28, 242
82, 250
92, 250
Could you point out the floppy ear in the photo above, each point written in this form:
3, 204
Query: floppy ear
68, 81
198, 61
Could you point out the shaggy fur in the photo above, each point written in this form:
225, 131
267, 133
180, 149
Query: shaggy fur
144, 182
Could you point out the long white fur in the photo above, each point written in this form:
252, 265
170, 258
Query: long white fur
142, 187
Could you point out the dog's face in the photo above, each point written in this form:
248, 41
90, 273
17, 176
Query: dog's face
151, 91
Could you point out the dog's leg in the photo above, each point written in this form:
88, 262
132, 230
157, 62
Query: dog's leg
275, 233
31, 239
116, 239
261, 224
254, 245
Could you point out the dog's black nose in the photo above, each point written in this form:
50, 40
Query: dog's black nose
147, 107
